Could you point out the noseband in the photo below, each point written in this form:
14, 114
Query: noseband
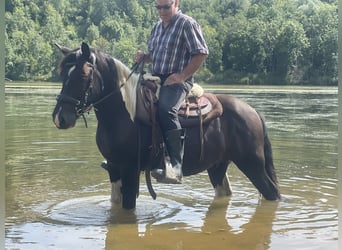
80, 107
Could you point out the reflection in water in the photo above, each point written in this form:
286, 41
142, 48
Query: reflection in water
57, 196
255, 234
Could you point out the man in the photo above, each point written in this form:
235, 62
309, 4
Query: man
176, 49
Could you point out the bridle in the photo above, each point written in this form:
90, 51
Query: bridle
84, 106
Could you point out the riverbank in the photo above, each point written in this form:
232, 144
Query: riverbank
217, 88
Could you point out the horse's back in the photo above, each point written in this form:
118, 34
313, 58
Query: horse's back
234, 105
240, 111
242, 124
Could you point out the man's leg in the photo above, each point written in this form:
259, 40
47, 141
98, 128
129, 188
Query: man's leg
170, 99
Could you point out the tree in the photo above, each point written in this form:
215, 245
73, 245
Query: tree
92, 33
289, 48
265, 41
321, 30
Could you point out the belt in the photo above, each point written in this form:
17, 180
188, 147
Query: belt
163, 78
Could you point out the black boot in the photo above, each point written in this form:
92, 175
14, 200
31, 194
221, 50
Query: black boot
172, 174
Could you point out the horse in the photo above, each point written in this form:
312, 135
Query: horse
92, 79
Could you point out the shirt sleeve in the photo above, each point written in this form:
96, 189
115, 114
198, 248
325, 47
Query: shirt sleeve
194, 38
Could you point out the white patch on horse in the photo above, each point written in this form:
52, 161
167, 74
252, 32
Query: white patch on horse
93, 58
224, 189
71, 70
129, 87
116, 196
56, 119
78, 53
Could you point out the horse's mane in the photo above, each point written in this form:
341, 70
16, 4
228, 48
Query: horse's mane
128, 87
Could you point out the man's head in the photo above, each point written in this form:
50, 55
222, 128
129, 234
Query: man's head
166, 9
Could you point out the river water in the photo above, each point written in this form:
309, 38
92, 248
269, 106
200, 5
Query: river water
57, 195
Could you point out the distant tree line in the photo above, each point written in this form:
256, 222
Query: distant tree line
250, 41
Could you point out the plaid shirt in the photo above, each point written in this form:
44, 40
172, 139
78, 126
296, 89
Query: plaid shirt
171, 47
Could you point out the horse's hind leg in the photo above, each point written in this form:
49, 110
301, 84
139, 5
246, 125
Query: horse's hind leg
219, 180
254, 169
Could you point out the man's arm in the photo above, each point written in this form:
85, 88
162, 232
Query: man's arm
194, 64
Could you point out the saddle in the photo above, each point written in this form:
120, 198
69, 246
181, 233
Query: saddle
197, 109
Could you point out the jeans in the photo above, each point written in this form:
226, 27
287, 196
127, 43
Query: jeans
170, 100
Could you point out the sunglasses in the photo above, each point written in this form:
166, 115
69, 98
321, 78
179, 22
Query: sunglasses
165, 7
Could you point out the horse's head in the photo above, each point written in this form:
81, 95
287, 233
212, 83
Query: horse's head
81, 84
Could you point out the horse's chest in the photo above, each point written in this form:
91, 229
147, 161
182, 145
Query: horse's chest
120, 142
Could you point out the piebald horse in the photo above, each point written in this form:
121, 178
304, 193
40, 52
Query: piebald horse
93, 79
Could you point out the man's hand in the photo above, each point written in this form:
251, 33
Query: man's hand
194, 64
139, 55
174, 79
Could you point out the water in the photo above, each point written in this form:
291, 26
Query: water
57, 196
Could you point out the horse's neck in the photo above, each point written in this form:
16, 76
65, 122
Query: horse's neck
111, 112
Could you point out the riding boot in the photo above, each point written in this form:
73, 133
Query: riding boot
172, 174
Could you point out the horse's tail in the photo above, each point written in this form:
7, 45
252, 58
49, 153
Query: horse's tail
269, 166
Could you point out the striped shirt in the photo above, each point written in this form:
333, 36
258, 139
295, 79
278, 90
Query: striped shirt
171, 47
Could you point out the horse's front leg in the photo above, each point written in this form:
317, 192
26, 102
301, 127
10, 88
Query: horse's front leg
125, 185
116, 183
130, 187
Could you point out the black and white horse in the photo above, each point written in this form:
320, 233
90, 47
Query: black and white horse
92, 78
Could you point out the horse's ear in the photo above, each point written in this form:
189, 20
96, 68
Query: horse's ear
87, 54
64, 50
85, 50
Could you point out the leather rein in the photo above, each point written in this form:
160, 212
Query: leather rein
83, 106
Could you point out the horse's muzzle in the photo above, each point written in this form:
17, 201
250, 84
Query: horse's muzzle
63, 120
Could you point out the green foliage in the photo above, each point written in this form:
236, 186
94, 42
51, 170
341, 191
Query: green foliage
250, 41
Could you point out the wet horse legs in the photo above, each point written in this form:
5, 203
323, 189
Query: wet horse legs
254, 169
219, 180
124, 186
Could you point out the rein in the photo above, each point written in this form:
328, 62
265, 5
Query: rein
81, 107
133, 70
139, 68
